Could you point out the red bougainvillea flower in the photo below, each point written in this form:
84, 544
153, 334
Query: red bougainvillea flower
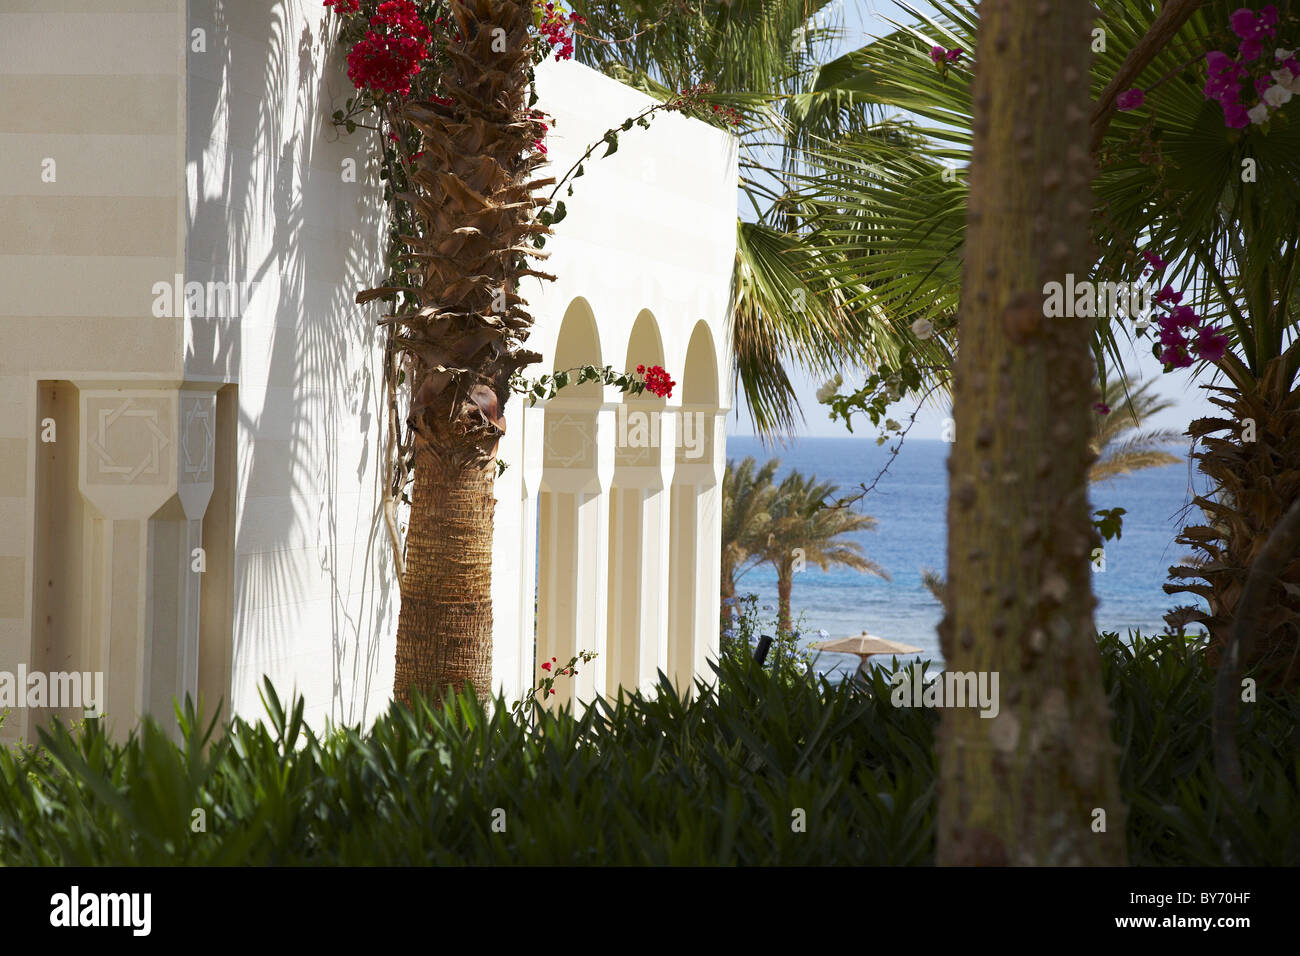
1101, 408
556, 29
389, 55
1130, 99
402, 17
552, 690
546, 666
344, 6
657, 380
385, 63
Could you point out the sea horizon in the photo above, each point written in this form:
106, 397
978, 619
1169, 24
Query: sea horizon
909, 504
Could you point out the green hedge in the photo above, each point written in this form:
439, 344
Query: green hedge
724, 777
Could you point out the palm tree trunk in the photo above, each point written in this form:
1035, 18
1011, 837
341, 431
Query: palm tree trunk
461, 332
1256, 478
728, 591
784, 585
1021, 788
444, 630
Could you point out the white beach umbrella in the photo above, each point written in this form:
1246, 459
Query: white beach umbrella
864, 645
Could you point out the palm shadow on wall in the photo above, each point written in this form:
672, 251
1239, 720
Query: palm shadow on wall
260, 211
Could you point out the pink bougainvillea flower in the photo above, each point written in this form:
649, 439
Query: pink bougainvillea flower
1249, 25
1243, 23
1253, 29
942, 56
1101, 408
1130, 99
1154, 261
1236, 116
1171, 338
1176, 356
1211, 344
1184, 317
1167, 294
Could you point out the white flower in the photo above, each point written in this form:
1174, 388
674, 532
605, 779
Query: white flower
1286, 79
1276, 96
829, 389
1283, 54
923, 328
1258, 113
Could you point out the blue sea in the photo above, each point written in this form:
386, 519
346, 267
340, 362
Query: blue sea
910, 507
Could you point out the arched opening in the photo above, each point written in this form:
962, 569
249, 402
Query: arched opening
695, 526
571, 519
637, 638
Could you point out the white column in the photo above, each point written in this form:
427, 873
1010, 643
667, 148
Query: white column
529, 596
638, 582
146, 472
695, 546
573, 573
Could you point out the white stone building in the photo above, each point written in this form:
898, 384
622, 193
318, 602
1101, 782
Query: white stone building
188, 484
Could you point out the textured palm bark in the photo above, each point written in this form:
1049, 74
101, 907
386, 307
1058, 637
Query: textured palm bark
447, 591
461, 333
1021, 788
1279, 551
784, 586
1256, 479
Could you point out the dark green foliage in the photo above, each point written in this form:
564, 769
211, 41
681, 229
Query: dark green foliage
1161, 692
716, 778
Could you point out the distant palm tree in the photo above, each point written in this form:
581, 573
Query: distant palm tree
747, 493
934, 582
804, 529
1119, 444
